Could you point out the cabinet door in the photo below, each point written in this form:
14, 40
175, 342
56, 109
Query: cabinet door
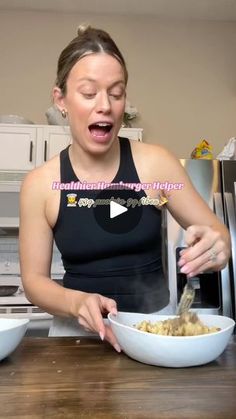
17, 147
131, 133
55, 138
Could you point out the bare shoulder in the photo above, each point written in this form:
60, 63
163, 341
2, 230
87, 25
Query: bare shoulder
152, 151
40, 179
36, 192
156, 159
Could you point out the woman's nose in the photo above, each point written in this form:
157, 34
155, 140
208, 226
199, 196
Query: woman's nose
103, 103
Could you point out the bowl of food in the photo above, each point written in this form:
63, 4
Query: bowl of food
139, 336
11, 334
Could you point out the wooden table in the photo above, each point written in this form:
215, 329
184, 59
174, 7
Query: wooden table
70, 378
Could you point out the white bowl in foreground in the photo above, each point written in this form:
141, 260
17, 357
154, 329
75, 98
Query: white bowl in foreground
170, 351
11, 334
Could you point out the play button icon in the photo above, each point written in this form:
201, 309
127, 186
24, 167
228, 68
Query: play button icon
116, 209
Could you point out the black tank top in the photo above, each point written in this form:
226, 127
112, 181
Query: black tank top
126, 267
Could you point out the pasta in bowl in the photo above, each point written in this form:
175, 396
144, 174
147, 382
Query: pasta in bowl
170, 351
188, 324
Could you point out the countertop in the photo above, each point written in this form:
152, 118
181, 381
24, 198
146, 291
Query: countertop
86, 378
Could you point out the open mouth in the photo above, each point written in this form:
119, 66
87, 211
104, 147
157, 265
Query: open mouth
100, 129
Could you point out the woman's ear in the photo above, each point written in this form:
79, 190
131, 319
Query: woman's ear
58, 98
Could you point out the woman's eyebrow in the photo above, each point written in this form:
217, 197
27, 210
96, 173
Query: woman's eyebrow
118, 82
89, 79
85, 79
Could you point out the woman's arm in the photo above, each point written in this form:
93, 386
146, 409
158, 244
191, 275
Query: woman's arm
36, 249
207, 238
36, 241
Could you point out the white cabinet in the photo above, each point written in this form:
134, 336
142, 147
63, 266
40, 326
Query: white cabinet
132, 133
23, 147
18, 144
53, 139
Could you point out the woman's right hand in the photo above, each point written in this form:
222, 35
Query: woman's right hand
89, 308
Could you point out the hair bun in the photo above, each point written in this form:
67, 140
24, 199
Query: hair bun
83, 28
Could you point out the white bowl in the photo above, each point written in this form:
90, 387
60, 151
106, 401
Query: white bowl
14, 119
170, 351
11, 333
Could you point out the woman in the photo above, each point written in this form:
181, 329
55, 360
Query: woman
105, 270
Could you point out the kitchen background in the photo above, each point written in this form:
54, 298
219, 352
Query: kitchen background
182, 65
180, 55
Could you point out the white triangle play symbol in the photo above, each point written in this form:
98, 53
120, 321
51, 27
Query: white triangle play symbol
116, 209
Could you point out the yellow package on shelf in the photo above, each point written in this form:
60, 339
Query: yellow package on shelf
202, 151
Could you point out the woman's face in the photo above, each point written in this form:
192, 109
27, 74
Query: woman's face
94, 101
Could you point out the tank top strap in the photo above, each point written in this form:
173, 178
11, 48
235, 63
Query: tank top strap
127, 167
66, 172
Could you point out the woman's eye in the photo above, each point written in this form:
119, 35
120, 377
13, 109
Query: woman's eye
89, 95
116, 95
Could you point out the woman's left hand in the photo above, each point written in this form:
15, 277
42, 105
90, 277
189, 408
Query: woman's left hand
208, 250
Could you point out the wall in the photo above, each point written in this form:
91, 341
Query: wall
182, 73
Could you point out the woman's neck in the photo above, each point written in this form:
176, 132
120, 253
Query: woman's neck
93, 168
